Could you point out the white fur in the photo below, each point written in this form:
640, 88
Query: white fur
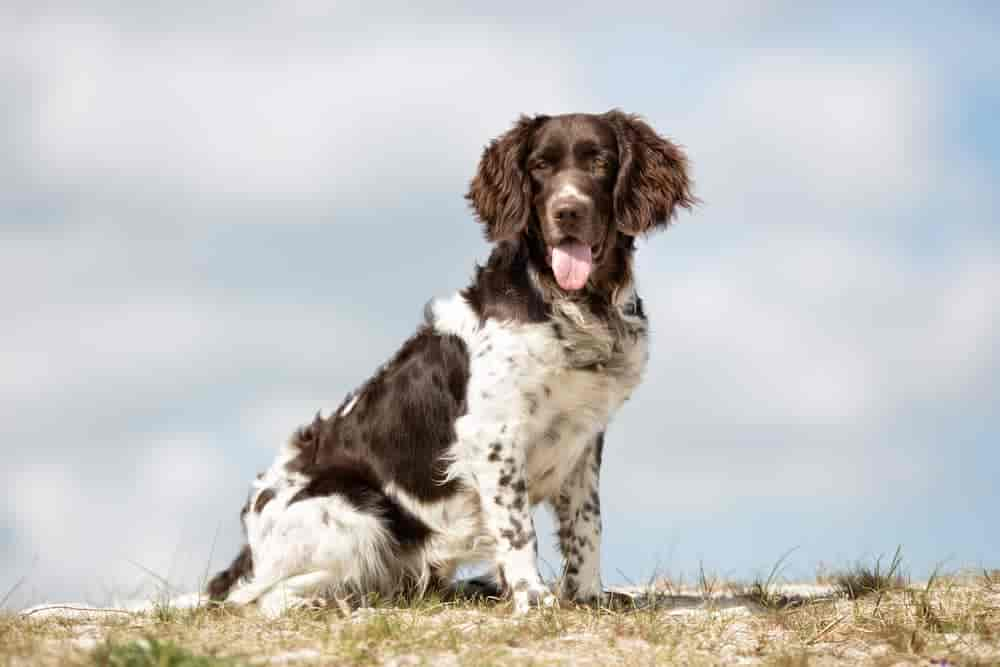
570, 191
530, 392
309, 548
536, 404
346, 410
459, 536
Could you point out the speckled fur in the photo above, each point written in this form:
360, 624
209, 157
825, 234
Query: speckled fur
498, 403
540, 398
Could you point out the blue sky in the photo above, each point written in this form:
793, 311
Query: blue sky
217, 219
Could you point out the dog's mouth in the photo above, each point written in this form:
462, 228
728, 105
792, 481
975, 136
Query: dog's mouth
572, 262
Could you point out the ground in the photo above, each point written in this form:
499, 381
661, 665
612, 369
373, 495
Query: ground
855, 620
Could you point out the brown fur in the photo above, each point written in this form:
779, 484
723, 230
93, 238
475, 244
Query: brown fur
500, 192
652, 177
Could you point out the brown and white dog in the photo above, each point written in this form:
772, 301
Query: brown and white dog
498, 402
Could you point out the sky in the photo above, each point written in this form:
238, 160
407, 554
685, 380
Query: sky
219, 218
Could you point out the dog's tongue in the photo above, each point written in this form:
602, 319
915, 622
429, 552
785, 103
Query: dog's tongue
571, 262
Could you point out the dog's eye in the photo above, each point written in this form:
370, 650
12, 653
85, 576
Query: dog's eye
600, 163
539, 164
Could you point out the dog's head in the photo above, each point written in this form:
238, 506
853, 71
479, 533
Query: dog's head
581, 185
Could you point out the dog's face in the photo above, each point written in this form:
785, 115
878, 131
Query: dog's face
572, 163
578, 183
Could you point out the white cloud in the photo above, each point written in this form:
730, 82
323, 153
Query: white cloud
804, 304
270, 422
141, 119
817, 332
109, 354
690, 471
95, 533
318, 19
797, 138
949, 340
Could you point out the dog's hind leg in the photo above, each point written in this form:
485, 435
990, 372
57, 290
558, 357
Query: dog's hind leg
295, 592
274, 596
248, 592
223, 582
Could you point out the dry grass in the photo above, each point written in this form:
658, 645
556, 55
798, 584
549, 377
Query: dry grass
955, 618
863, 579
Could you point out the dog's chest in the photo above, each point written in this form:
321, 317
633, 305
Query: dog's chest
555, 383
571, 377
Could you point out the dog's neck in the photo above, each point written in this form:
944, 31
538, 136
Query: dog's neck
517, 284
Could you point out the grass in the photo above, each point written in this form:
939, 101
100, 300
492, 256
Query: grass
766, 593
154, 653
862, 579
880, 619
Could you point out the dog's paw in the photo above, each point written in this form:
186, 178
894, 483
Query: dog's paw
275, 604
594, 595
590, 592
527, 595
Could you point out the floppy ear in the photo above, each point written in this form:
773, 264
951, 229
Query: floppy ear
652, 176
500, 192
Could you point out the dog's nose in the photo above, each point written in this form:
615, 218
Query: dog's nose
569, 210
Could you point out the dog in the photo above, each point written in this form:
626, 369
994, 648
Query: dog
500, 400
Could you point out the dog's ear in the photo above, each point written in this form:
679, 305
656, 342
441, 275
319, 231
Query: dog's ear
500, 192
652, 176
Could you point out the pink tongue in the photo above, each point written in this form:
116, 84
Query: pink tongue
571, 263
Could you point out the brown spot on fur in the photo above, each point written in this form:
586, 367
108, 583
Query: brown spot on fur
263, 498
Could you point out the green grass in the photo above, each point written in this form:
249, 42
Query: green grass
154, 653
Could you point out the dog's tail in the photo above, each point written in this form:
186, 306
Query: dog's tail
241, 568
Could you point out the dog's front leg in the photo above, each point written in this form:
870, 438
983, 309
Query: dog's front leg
504, 491
578, 509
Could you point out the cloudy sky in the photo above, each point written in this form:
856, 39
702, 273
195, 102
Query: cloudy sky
217, 219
